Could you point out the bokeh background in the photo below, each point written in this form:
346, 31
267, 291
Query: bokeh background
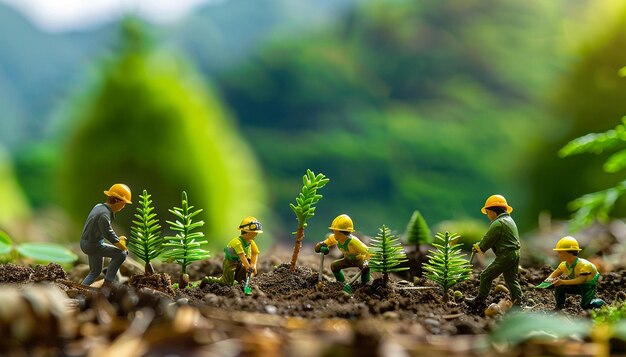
404, 105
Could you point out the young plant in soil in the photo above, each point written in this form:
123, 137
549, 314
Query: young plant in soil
418, 235
185, 246
387, 254
447, 266
304, 208
145, 235
40, 252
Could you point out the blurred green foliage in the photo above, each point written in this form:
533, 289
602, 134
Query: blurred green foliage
598, 205
38, 252
150, 123
588, 98
403, 104
15, 205
469, 231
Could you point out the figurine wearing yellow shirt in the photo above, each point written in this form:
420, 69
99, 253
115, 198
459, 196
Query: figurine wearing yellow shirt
582, 276
240, 255
355, 253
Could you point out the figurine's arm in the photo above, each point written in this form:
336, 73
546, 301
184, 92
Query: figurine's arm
555, 274
490, 238
253, 259
244, 261
581, 279
107, 231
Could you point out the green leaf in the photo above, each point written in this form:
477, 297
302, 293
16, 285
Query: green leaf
47, 252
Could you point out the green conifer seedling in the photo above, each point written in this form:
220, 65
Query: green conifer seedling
387, 254
417, 231
145, 234
447, 266
185, 246
304, 208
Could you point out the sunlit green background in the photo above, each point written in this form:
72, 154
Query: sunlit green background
404, 105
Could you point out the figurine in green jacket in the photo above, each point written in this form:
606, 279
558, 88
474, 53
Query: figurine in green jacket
503, 238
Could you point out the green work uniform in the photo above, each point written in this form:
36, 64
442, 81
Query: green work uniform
586, 290
232, 268
503, 238
355, 253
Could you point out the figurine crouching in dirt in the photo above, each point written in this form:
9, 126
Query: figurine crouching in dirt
97, 228
582, 276
503, 238
240, 255
355, 253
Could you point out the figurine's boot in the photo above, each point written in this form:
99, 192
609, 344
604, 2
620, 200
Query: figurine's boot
476, 302
365, 276
595, 304
339, 276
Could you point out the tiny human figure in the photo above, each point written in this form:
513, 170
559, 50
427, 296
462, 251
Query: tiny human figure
503, 238
355, 253
240, 254
582, 276
97, 228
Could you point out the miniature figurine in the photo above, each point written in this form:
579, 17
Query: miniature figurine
240, 254
355, 252
582, 276
503, 238
97, 228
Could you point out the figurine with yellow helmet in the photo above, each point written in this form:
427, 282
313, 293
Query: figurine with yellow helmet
355, 253
240, 254
503, 238
581, 276
98, 228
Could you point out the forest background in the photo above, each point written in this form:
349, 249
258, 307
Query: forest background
404, 105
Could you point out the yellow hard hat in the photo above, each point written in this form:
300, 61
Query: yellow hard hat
342, 223
566, 244
496, 201
251, 224
120, 191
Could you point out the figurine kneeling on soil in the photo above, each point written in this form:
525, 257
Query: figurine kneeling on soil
97, 228
355, 252
240, 254
582, 276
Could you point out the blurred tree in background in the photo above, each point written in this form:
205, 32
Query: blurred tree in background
151, 124
403, 104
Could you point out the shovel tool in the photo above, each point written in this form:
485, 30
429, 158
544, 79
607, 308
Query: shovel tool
347, 288
246, 288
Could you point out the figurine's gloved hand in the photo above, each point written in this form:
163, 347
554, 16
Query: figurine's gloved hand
250, 271
121, 245
253, 269
321, 248
366, 264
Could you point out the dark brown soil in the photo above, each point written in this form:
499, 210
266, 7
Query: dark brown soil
286, 312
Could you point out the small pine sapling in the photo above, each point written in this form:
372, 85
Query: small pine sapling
418, 235
417, 231
145, 234
387, 254
185, 246
447, 266
304, 208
